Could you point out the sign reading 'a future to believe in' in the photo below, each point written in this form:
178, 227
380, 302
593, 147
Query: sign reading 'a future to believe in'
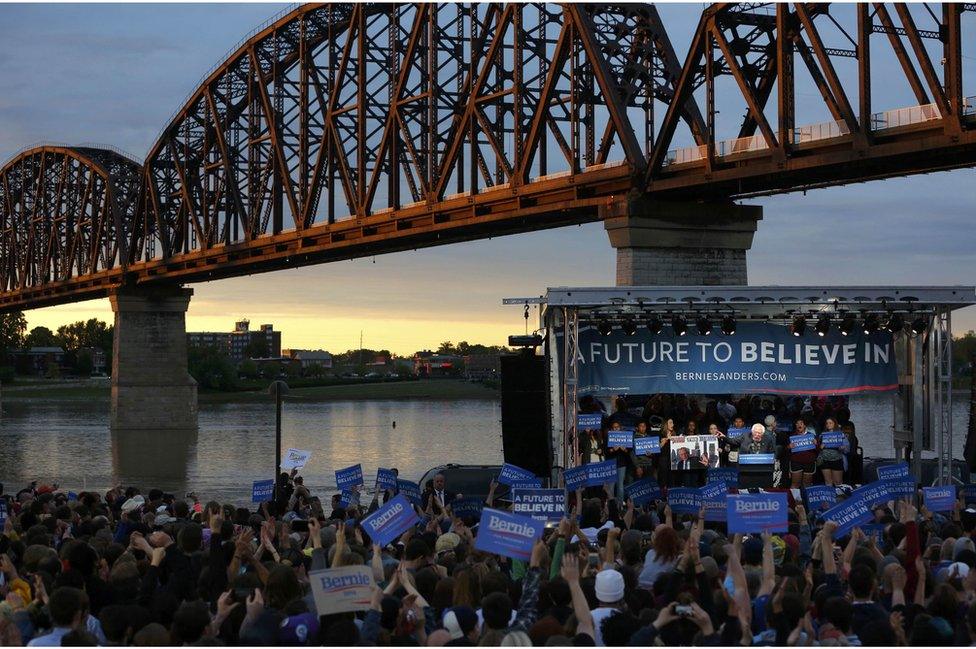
760, 357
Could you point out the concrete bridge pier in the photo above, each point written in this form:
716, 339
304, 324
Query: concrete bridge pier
151, 387
680, 244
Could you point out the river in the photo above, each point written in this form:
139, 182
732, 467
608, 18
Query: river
69, 442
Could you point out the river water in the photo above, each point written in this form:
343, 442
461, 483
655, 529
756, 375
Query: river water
69, 442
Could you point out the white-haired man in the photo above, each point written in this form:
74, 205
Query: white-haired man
759, 442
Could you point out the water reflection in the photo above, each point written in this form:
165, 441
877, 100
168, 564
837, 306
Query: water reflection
153, 457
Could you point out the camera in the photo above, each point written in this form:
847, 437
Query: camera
682, 610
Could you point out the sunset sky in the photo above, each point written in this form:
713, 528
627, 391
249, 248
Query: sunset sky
115, 73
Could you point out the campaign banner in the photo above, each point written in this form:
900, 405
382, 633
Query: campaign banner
833, 440
757, 513
386, 479
621, 438
575, 478
540, 504
893, 471
940, 499
262, 491
509, 535
848, 514
342, 590
647, 445
601, 473
713, 500
727, 475
874, 493
349, 477
511, 473
876, 530
295, 459
643, 491
969, 492
901, 487
535, 483
801, 443
821, 497
345, 498
738, 433
589, 421
390, 520
761, 358
410, 490
684, 500
756, 458
467, 507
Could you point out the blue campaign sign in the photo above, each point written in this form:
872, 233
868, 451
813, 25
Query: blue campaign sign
738, 433
643, 491
410, 490
590, 421
535, 483
874, 493
761, 358
713, 500
848, 514
540, 504
756, 513
728, 475
821, 497
391, 520
756, 458
349, 477
511, 473
684, 500
647, 445
345, 498
969, 492
833, 440
892, 471
900, 487
386, 479
601, 473
262, 490
876, 530
467, 507
940, 499
509, 535
806, 442
575, 478
621, 438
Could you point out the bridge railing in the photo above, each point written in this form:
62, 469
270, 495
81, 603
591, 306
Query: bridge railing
969, 105
740, 145
822, 131
904, 116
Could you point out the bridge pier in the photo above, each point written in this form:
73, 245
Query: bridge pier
151, 387
680, 244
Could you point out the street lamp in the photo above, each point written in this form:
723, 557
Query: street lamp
277, 389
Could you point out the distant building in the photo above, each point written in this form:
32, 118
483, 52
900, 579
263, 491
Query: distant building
235, 343
38, 360
430, 364
310, 357
481, 367
98, 359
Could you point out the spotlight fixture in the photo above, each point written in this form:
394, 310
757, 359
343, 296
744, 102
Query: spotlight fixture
704, 325
895, 323
799, 326
679, 325
655, 325
629, 327
870, 324
823, 325
847, 325
918, 326
728, 325
604, 328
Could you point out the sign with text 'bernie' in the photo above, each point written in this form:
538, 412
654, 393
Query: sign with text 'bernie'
893, 471
601, 473
728, 475
684, 500
802, 443
511, 474
590, 421
295, 458
756, 458
621, 438
390, 520
386, 479
833, 440
509, 535
647, 445
821, 497
575, 478
643, 491
940, 499
342, 590
349, 477
713, 500
262, 490
848, 514
410, 490
756, 513
540, 504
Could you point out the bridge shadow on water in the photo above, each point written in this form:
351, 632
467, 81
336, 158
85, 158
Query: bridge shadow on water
153, 458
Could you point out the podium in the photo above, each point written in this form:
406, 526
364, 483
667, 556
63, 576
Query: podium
756, 470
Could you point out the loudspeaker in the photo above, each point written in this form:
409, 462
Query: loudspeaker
525, 413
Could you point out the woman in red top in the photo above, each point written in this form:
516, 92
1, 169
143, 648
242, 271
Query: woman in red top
803, 464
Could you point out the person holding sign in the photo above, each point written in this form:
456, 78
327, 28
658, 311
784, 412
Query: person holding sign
831, 457
802, 463
643, 464
621, 456
664, 459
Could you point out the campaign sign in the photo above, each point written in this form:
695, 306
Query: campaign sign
390, 520
833, 440
893, 471
728, 475
601, 473
410, 490
509, 535
341, 590
821, 497
969, 492
713, 500
349, 477
527, 484
540, 504
647, 445
801, 443
575, 478
386, 479
511, 473
684, 500
756, 513
643, 491
261, 491
621, 438
874, 493
876, 530
756, 458
901, 487
940, 499
848, 514
591, 421
738, 433
467, 507
295, 459
3, 514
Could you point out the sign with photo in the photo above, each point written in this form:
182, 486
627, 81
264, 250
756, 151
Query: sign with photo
694, 452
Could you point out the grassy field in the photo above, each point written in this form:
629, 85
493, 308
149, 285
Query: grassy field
448, 389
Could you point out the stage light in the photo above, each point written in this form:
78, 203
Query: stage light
604, 328
728, 325
918, 326
895, 323
704, 325
655, 325
799, 326
823, 325
629, 327
679, 325
870, 324
847, 325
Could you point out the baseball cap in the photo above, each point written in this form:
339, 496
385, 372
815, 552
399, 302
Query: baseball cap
609, 586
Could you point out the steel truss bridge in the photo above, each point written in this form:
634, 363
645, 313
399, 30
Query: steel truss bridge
340, 131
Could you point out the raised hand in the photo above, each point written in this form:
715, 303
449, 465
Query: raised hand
570, 569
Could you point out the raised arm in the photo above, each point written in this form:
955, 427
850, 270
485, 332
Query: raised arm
768, 566
584, 619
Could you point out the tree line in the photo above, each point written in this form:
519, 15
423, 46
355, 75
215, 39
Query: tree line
75, 339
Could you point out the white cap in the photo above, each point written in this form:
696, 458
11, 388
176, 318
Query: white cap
609, 586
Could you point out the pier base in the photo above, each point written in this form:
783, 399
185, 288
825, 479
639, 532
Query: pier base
680, 244
151, 387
